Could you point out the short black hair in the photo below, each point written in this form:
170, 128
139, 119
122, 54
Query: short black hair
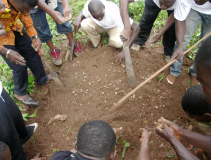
30, 3
96, 138
94, 6
194, 101
3, 150
203, 56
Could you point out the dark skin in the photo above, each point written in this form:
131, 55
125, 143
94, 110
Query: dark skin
111, 156
180, 32
144, 151
201, 141
168, 133
125, 34
99, 16
57, 17
203, 76
200, 2
14, 57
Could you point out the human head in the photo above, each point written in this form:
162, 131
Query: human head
23, 6
97, 9
194, 103
165, 4
203, 67
5, 153
200, 2
96, 140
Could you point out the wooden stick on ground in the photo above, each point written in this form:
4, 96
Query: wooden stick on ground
119, 103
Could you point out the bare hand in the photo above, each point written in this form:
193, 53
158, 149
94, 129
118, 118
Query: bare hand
145, 134
67, 14
155, 38
77, 24
120, 57
36, 44
177, 54
37, 157
125, 34
117, 130
165, 132
176, 129
57, 17
15, 57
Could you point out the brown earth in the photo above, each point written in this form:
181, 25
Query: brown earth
94, 83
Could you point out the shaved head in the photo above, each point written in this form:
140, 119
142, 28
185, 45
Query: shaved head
95, 6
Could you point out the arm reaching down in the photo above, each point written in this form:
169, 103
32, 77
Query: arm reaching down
201, 141
180, 32
135, 31
66, 11
168, 134
144, 151
170, 21
77, 22
123, 5
57, 16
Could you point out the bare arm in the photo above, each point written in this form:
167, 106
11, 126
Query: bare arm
180, 32
201, 141
57, 16
181, 151
77, 22
144, 151
66, 11
135, 31
170, 21
125, 17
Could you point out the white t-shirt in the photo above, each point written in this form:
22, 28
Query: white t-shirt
111, 17
183, 8
158, 4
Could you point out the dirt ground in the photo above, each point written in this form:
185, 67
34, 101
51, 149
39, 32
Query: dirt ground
94, 83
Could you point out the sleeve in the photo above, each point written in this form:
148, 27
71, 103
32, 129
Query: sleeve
181, 10
118, 19
86, 12
28, 24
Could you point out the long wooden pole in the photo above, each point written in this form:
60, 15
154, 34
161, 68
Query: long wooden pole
119, 103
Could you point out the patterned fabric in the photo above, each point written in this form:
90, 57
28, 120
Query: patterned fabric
9, 19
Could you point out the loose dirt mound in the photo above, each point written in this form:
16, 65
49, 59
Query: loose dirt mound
94, 84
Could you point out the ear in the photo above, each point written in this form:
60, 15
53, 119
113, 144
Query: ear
76, 145
113, 155
207, 115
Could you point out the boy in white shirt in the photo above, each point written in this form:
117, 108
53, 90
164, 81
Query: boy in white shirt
188, 15
104, 16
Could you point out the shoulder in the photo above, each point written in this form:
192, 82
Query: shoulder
63, 155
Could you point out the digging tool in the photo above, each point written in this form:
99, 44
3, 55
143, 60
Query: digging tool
129, 68
53, 74
72, 47
118, 104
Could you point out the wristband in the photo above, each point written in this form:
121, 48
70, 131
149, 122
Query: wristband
1, 47
8, 52
33, 37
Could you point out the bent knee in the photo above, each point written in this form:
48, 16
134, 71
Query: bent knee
116, 44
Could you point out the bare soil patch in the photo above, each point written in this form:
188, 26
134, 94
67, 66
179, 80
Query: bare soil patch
94, 84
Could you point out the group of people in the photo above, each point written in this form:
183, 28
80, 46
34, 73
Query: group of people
21, 45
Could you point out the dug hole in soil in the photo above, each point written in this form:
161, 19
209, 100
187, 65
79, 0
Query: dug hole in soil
94, 83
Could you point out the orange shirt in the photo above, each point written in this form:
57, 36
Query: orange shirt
9, 19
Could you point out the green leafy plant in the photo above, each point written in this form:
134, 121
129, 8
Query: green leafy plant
160, 78
34, 138
54, 150
125, 145
26, 115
